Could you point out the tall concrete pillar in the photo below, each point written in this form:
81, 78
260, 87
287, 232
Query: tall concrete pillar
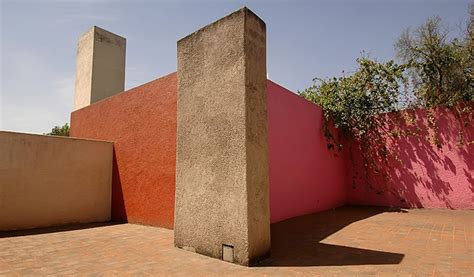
100, 66
222, 205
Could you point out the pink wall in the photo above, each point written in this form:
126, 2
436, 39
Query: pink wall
425, 175
305, 177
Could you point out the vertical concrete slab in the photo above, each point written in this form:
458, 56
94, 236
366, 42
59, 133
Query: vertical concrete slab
222, 168
100, 66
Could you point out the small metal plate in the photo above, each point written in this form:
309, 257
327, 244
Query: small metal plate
228, 253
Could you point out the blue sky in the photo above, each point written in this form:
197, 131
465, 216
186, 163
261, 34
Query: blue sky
305, 39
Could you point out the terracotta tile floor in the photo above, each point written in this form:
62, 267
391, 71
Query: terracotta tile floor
350, 241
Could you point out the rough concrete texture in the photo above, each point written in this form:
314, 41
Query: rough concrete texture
47, 181
222, 168
142, 124
100, 66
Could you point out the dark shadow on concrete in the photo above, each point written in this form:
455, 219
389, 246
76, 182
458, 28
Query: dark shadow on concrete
296, 241
55, 229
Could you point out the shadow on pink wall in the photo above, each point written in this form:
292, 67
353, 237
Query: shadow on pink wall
419, 172
428, 167
305, 177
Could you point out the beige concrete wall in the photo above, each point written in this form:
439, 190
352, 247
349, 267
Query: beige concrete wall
222, 168
100, 66
84, 57
48, 181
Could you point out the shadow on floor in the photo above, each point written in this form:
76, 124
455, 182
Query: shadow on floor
296, 241
64, 228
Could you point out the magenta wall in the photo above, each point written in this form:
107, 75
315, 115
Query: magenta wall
425, 176
305, 177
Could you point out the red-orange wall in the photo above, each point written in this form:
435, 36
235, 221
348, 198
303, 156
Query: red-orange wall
142, 124
305, 177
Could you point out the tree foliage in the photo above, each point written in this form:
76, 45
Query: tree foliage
440, 69
351, 102
435, 70
60, 131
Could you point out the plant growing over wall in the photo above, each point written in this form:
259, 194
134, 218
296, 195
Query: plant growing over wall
351, 102
439, 72
440, 69
435, 71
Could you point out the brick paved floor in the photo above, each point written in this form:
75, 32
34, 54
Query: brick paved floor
346, 242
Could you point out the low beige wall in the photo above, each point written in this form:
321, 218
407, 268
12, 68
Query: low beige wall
48, 181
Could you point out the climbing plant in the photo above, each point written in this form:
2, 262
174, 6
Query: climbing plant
440, 69
351, 102
434, 71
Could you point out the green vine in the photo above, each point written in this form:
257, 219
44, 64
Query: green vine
351, 102
434, 72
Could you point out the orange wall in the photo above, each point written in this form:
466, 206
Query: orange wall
142, 124
305, 176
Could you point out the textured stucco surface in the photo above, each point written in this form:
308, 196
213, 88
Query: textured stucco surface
417, 173
100, 66
222, 168
305, 177
47, 181
142, 124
